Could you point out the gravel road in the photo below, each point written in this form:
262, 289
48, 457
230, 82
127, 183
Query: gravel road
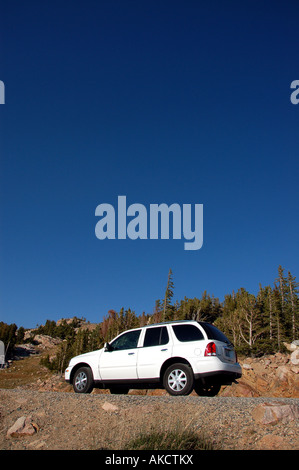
69, 421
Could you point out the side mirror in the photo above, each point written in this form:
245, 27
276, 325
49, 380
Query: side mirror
107, 347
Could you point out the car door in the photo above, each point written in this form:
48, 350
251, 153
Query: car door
189, 341
119, 362
155, 350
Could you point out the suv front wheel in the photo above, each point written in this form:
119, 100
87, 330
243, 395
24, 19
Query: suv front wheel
83, 380
178, 379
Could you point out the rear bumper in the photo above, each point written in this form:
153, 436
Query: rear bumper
215, 370
223, 377
214, 365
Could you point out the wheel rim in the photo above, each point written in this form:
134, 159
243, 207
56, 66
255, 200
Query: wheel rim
177, 380
81, 381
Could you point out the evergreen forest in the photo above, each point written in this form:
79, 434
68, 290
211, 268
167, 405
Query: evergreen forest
255, 324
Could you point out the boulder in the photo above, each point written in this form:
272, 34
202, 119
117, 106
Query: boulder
109, 406
22, 427
295, 357
273, 442
272, 413
282, 373
240, 389
45, 341
292, 346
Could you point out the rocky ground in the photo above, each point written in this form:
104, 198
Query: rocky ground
39, 411
67, 421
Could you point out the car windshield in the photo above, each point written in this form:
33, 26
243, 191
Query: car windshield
213, 332
128, 340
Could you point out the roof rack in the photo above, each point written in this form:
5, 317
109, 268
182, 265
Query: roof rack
168, 322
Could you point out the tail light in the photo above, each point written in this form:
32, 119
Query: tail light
210, 349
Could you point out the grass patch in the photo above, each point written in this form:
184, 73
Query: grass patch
170, 440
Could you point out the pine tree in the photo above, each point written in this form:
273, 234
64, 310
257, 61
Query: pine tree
188, 309
294, 304
228, 320
131, 320
283, 289
156, 317
167, 310
286, 291
250, 324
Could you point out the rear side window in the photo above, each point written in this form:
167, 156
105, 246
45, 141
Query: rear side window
156, 336
187, 333
213, 332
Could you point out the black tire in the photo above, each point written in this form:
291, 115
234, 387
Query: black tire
119, 390
207, 390
83, 380
178, 379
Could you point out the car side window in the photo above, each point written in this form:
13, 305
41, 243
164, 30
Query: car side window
156, 336
186, 333
128, 340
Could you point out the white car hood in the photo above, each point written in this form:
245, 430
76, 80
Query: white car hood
85, 356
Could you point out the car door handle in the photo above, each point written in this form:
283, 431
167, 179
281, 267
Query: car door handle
131, 354
166, 349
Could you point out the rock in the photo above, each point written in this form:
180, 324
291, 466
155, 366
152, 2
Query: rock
241, 389
261, 384
68, 321
45, 341
247, 366
273, 442
272, 413
109, 406
249, 360
295, 357
293, 346
282, 373
17, 427
37, 444
22, 427
290, 347
279, 357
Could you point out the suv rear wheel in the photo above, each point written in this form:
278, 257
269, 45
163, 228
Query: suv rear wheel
207, 390
178, 379
83, 380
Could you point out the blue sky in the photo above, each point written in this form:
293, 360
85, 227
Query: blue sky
161, 101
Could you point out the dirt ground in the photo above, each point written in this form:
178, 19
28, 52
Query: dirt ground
69, 421
63, 420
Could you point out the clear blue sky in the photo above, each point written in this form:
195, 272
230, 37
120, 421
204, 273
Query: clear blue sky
161, 101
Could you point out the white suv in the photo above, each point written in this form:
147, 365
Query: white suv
179, 356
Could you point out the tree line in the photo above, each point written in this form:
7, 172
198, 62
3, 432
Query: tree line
255, 324
11, 335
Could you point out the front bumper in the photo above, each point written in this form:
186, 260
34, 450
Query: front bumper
219, 376
67, 374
